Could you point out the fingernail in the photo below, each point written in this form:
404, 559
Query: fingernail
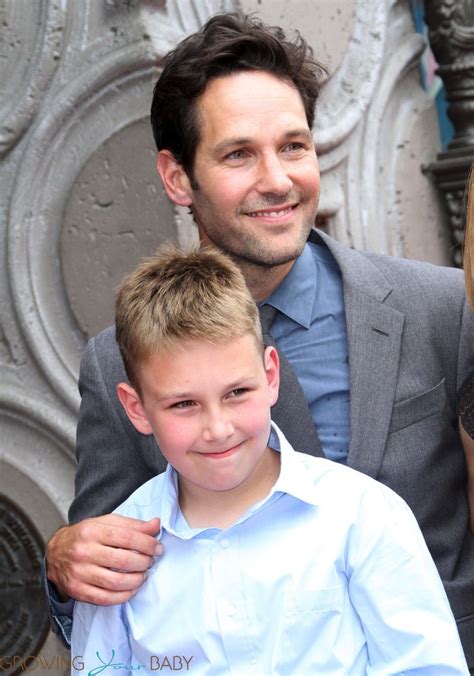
159, 549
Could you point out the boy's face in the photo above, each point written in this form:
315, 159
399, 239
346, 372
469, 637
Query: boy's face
208, 406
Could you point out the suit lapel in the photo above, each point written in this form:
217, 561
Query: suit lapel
374, 337
374, 332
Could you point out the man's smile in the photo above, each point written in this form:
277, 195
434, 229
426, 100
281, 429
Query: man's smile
272, 213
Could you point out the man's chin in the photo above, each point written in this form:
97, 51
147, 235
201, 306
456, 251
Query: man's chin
267, 259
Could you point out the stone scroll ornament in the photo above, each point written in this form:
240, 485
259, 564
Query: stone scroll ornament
24, 620
451, 35
32, 35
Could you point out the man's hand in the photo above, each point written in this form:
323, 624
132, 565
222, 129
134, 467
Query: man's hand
103, 560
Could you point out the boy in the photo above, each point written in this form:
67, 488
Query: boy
275, 562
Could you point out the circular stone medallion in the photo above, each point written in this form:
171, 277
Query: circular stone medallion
24, 619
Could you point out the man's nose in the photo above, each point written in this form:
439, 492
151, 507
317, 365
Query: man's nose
217, 425
273, 176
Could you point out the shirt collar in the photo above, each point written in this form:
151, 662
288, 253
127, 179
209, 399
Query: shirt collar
170, 512
302, 276
293, 480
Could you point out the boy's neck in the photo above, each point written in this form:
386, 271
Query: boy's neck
204, 508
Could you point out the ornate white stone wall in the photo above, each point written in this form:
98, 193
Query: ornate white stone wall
81, 201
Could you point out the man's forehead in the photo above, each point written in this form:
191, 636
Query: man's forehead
240, 105
245, 89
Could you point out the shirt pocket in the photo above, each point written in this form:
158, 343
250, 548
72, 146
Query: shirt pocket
412, 410
314, 630
321, 600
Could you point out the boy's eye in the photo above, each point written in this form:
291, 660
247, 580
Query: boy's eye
239, 391
183, 404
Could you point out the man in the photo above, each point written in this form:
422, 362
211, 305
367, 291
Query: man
232, 114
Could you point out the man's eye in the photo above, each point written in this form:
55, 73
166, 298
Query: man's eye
293, 147
236, 155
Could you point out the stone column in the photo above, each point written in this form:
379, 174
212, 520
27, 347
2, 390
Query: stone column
451, 34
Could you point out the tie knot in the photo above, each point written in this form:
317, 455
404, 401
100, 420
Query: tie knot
267, 315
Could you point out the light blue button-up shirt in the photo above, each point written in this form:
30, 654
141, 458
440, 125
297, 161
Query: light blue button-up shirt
303, 583
311, 332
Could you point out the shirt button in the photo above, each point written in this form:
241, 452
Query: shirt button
225, 543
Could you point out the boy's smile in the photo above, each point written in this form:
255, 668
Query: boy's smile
208, 406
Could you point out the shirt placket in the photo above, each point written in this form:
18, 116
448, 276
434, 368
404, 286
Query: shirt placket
235, 625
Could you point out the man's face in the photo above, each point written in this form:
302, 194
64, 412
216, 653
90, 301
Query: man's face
208, 406
255, 168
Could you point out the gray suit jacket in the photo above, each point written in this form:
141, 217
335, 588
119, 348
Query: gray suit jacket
411, 344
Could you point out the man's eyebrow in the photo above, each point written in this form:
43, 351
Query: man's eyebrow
229, 142
305, 133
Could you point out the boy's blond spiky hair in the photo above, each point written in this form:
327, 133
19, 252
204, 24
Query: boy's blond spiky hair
469, 240
176, 296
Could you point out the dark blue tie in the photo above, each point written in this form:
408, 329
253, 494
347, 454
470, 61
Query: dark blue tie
291, 412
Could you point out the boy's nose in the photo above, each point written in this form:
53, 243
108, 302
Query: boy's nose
217, 427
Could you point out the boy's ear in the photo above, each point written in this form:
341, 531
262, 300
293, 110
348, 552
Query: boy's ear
175, 179
272, 369
133, 406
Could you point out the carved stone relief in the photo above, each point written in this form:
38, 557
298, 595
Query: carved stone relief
32, 41
118, 182
36, 485
119, 86
23, 615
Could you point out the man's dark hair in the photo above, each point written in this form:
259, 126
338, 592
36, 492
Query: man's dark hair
227, 44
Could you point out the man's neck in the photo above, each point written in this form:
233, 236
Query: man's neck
204, 508
262, 281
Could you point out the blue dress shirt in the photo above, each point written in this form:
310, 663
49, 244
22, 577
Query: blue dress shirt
311, 332
303, 583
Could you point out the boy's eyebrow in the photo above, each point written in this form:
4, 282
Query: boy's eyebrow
245, 380
163, 396
244, 140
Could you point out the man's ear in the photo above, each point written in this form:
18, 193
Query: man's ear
175, 179
272, 369
133, 406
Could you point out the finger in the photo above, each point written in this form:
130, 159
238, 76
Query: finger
114, 580
127, 538
85, 553
152, 526
123, 560
99, 578
93, 531
103, 597
81, 575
